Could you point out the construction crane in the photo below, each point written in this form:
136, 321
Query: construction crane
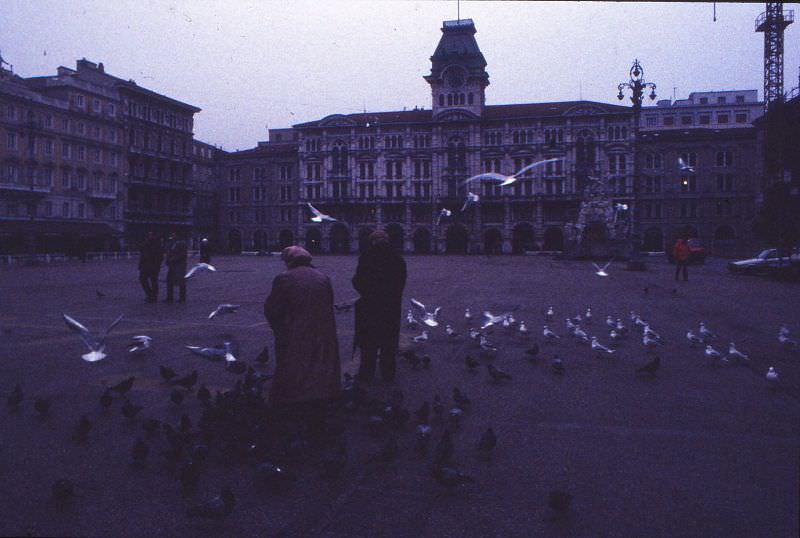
773, 22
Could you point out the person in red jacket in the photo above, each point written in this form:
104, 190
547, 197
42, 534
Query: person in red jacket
680, 253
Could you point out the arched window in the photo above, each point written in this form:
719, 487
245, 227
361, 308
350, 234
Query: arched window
624, 132
463, 99
449, 99
441, 99
470, 98
611, 133
339, 158
456, 153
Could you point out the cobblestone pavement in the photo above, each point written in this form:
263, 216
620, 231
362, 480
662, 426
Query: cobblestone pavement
697, 450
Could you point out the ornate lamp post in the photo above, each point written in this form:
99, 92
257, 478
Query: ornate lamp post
637, 85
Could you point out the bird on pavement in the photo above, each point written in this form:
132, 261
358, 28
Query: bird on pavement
471, 363
714, 355
428, 318
736, 354
693, 338
558, 365
772, 377
167, 373
422, 338
788, 343
450, 331
486, 444
549, 335
497, 374
550, 314
600, 348
651, 367
705, 333
467, 316
123, 386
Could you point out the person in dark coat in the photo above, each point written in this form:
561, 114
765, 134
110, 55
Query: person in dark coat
307, 369
380, 279
680, 252
176, 267
205, 251
149, 266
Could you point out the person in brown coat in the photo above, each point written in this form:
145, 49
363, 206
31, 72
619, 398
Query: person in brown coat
680, 252
380, 279
149, 266
300, 311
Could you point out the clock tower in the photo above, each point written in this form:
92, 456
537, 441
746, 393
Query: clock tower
458, 76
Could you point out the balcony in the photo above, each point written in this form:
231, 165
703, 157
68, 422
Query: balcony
143, 216
23, 186
100, 195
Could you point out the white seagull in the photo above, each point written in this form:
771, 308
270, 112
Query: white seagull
444, 212
319, 216
450, 331
225, 308
428, 318
588, 315
611, 323
736, 354
507, 180
490, 319
471, 198
693, 338
550, 335
549, 314
713, 354
199, 267
772, 377
649, 343
787, 342
683, 166
523, 330
410, 321
140, 343
601, 271
599, 348
467, 316
421, 339
486, 346
213, 353
96, 345
621, 328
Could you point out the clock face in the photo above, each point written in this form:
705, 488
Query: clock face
455, 80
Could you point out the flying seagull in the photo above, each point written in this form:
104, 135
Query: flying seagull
507, 180
444, 212
199, 267
140, 343
319, 216
601, 271
96, 346
225, 308
683, 166
471, 198
428, 318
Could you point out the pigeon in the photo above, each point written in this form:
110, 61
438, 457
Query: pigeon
486, 444
599, 348
428, 318
621, 328
693, 338
715, 355
449, 477
580, 334
460, 399
471, 198
82, 428
467, 316
787, 342
772, 377
784, 330
450, 331
42, 406
15, 397
130, 410
651, 367
614, 335
263, 357
455, 414
123, 386
422, 338
569, 324
557, 365
683, 167
736, 354
443, 453
176, 396
96, 346
549, 335
601, 271
199, 268
225, 308
410, 321
167, 373
507, 180
471, 363
533, 351
443, 213
423, 414
100, 294
140, 451
474, 335
319, 216
559, 501
497, 374
106, 399
140, 343
423, 436
216, 508
486, 346
550, 314
705, 334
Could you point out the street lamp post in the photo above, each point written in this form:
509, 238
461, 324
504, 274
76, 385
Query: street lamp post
637, 85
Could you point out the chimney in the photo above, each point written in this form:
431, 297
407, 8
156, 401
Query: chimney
101, 68
84, 63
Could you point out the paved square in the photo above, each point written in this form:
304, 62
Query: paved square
697, 450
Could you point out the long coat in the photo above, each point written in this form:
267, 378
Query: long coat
150, 257
380, 279
176, 261
300, 311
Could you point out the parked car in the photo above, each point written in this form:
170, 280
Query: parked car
697, 252
768, 260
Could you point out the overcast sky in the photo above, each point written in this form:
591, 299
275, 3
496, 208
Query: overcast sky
249, 64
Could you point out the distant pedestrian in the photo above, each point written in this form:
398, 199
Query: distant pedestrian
307, 370
205, 251
380, 279
176, 267
680, 253
149, 266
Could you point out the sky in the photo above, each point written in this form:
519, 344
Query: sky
256, 64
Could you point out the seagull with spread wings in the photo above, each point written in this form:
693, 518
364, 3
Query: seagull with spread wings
601, 271
428, 318
507, 180
97, 346
684, 167
319, 216
444, 212
471, 198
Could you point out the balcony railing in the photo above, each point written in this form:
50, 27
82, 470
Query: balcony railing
101, 195
21, 185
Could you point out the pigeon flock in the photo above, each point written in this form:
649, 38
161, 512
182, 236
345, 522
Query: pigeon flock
237, 427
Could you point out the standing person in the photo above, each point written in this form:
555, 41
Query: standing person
149, 266
380, 279
300, 311
176, 267
205, 251
680, 253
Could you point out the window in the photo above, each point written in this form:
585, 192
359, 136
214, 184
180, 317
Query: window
11, 112
48, 120
722, 118
616, 164
441, 99
686, 120
12, 140
65, 209
651, 121
669, 121
705, 119
689, 158
66, 150
48, 147
688, 184
233, 194
725, 182
98, 155
81, 153
112, 109
286, 171
96, 105
741, 117
652, 160
725, 158
721, 100
704, 100
48, 209
286, 193
79, 101
740, 99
